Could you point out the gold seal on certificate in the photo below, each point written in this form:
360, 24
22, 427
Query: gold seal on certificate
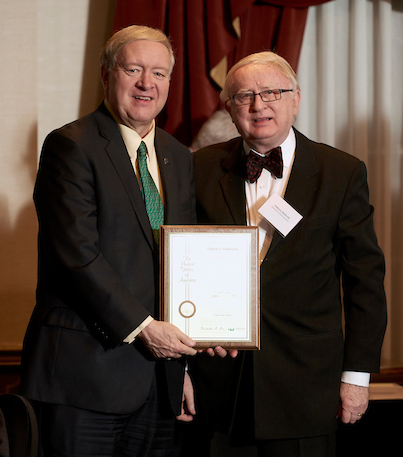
217, 268
187, 309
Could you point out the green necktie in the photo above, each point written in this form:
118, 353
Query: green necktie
151, 196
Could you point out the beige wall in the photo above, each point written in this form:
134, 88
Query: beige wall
49, 54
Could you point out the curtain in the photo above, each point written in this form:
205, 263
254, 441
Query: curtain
209, 36
350, 72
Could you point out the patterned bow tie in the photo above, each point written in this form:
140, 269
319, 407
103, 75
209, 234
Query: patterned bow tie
272, 161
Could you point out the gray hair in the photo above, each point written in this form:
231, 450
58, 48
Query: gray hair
129, 34
260, 58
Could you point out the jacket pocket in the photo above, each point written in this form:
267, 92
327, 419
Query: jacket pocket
66, 318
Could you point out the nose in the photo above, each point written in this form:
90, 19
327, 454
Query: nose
258, 104
145, 81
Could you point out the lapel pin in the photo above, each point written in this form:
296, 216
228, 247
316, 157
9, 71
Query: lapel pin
166, 161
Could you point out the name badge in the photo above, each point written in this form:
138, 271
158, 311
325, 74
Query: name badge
282, 216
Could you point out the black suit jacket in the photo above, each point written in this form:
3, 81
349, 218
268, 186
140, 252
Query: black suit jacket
98, 268
295, 376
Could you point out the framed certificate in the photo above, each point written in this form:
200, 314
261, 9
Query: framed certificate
210, 284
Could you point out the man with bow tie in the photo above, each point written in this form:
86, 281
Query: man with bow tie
285, 399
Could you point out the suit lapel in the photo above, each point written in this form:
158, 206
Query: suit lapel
166, 159
302, 184
120, 159
233, 183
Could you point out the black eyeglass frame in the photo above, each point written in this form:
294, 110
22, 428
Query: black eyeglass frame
276, 92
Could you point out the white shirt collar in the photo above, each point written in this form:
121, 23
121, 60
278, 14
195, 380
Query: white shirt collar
131, 138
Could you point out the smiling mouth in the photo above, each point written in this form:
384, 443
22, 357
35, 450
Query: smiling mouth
140, 97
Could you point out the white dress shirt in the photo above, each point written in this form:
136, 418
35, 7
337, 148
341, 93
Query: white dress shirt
260, 191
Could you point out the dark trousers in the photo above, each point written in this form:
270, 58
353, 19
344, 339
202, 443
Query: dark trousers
317, 446
66, 431
198, 440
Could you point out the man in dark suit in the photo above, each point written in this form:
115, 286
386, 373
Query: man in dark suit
94, 359
285, 398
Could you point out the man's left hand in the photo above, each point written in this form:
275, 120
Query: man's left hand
353, 401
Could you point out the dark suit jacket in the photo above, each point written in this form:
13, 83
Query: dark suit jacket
98, 268
296, 374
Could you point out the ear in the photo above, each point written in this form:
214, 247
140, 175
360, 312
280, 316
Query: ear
227, 106
296, 101
105, 78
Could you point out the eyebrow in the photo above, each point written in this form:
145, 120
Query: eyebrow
263, 88
158, 67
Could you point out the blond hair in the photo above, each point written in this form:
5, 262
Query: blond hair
131, 33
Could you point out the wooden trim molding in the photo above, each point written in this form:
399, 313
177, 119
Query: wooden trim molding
10, 357
389, 375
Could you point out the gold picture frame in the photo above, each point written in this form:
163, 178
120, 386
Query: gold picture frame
210, 284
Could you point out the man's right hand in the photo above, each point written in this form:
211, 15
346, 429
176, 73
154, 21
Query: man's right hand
221, 352
165, 340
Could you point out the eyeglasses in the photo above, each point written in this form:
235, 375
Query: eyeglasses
247, 98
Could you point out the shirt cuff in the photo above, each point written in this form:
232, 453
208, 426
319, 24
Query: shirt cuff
356, 377
132, 336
